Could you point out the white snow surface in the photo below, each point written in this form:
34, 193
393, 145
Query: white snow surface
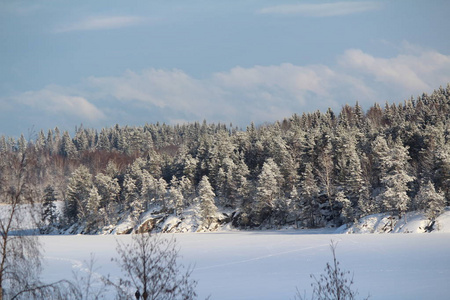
271, 264
264, 264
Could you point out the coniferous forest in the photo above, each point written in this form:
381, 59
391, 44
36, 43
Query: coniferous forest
311, 170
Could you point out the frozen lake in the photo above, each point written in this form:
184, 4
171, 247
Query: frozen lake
270, 265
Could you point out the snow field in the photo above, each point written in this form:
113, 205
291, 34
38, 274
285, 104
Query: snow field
270, 265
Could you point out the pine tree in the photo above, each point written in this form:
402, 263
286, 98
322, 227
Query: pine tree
395, 179
268, 189
22, 144
108, 190
325, 174
67, 149
176, 197
161, 190
93, 205
131, 196
103, 141
40, 141
78, 191
431, 201
48, 206
348, 166
310, 212
346, 207
206, 196
187, 189
443, 170
81, 141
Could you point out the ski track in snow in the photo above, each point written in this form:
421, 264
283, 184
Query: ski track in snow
77, 265
260, 257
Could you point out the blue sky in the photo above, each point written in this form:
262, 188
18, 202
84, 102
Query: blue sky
98, 63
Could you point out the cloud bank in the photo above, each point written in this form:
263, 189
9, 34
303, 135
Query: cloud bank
242, 95
322, 9
56, 101
101, 23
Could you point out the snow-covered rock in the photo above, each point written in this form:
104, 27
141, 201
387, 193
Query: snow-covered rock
412, 222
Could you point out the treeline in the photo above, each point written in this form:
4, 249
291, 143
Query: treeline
310, 170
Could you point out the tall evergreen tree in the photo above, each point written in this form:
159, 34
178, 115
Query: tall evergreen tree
432, 202
48, 206
268, 189
206, 196
67, 149
310, 209
395, 179
78, 191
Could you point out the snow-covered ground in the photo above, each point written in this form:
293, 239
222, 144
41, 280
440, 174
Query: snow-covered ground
270, 265
230, 264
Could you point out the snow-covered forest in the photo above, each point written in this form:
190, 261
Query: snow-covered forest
312, 170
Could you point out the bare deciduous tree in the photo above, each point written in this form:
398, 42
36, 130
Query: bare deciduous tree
335, 284
20, 259
152, 271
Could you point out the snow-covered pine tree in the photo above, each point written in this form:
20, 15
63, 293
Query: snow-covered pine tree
103, 142
67, 147
176, 197
40, 141
80, 140
48, 206
222, 188
310, 211
131, 197
148, 187
22, 144
325, 172
206, 196
268, 189
431, 201
239, 185
108, 190
78, 190
443, 170
161, 191
346, 207
93, 205
187, 189
396, 178
349, 170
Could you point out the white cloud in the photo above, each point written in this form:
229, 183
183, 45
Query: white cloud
54, 101
322, 9
419, 71
101, 23
242, 95
164, 89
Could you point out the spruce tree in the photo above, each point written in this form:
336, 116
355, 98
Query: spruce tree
48, 206
268, 189
395, 179
206, 196
78, 191
431, 201
310, 209
345, 207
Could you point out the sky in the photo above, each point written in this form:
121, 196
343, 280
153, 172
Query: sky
100, 63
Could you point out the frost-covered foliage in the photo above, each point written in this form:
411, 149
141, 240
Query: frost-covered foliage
309, 170
206, 201
431, 201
